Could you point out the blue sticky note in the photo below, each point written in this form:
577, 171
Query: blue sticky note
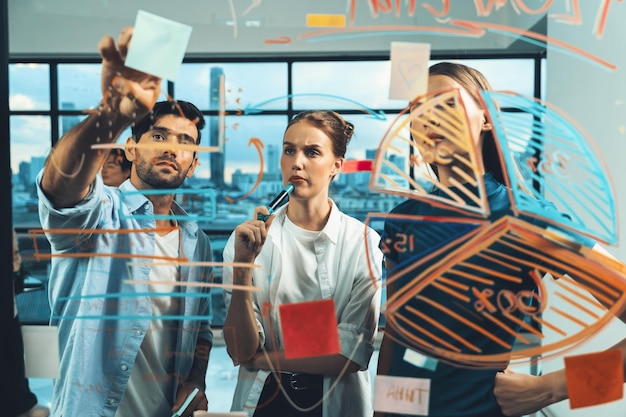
158, 45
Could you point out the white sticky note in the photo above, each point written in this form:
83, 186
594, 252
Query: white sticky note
409, 70
419, 360
158, 45
41, 351
401, 395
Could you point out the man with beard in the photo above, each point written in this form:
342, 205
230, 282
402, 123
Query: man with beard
134, 334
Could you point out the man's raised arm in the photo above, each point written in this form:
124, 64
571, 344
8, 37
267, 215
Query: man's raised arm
127, 95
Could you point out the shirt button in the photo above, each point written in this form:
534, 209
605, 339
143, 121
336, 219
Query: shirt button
111, 401
137, 332
124, 367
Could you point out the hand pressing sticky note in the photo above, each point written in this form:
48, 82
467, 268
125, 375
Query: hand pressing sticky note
594, 378
158, 45
309, 329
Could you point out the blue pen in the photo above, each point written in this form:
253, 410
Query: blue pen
183, 407
276, 202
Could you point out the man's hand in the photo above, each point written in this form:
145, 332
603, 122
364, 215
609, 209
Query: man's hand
520, 394
126, 91
199, 402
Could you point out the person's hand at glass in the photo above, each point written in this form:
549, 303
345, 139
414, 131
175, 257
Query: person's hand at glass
126, 91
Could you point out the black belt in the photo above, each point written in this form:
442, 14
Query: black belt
299, 381
304, 390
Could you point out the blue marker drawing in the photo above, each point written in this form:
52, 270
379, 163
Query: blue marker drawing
257, 108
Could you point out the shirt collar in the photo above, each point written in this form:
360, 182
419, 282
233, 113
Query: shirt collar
135, 199
331, 230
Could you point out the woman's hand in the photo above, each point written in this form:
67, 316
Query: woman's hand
250, 236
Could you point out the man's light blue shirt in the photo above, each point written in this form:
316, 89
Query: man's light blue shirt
101, 319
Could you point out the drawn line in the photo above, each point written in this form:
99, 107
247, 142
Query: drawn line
505, 327
549, 325
452, 283
471, 277
451, 292
568, 316
490, 272
193, 284
523, 324
587, 298
576, 304
177, 146
515, 268
121, 295
443, 329
465, 321
130, 317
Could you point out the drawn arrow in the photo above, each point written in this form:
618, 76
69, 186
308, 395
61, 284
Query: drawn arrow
258, 144
256, 108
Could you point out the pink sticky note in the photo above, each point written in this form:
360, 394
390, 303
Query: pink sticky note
309, 329
356, 166
594, 378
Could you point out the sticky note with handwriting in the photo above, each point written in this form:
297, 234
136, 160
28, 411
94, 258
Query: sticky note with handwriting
409, 70
309, 329
401, 395
158, 45
594, 378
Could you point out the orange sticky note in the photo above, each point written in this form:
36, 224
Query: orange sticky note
357, 166
309, 328
594, 378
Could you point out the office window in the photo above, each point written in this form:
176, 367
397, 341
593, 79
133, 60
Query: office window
343, 85
513, 74
29, 87
246, 86
30, 144
79, 86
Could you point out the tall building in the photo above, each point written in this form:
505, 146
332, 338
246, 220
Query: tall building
272, 169
216, 159
68, 122
272, 159
24, 173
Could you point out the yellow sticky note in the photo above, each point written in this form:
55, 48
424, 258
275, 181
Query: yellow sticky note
326, 20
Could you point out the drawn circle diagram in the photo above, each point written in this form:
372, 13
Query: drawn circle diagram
469, 263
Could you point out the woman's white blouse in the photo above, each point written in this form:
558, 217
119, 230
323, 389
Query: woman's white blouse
335, 263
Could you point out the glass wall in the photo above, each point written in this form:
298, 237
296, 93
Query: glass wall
247, 106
